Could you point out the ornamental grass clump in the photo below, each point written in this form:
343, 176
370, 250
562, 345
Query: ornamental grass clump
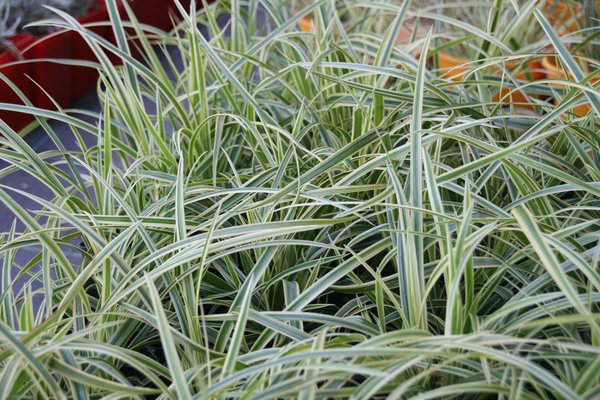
304, 215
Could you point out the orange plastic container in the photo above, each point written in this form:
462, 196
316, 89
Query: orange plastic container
533, 71
305, 24
454, 68
553, 71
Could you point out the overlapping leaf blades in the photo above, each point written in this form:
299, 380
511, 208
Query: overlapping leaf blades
288, 220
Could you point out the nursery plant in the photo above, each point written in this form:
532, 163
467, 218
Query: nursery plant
20, 13
7, 27
274, 214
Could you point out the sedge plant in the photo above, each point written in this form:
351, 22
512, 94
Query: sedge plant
276, 214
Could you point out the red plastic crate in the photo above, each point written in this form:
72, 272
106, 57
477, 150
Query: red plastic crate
18, 75
53, 77
154, 14
84, 78
161, 13
63, 82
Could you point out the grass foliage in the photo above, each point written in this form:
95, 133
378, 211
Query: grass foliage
309, 216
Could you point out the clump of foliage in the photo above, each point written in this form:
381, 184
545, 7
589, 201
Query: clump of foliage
305, 215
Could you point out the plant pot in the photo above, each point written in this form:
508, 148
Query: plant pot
17, 74
84, 78
553, 71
